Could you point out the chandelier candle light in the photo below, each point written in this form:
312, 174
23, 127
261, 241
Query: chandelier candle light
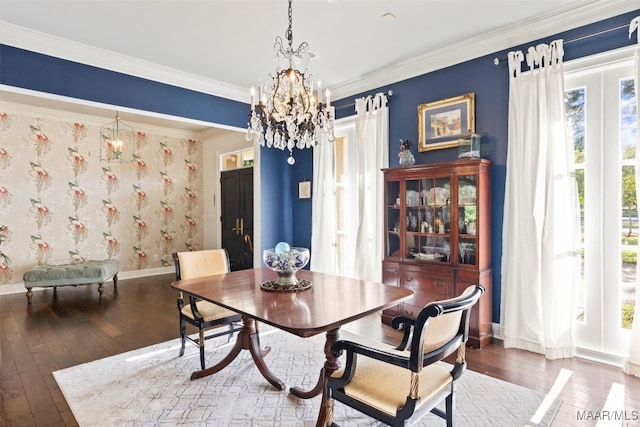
287, 113
115, 139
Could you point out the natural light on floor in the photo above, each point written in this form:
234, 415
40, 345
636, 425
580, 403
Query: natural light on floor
613, 413
558, 385
152, 353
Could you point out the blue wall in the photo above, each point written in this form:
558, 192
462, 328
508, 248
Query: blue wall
43, 73
275, 210
284, 216
301, 221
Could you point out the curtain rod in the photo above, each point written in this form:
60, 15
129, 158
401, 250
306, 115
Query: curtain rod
389, 94
497, 60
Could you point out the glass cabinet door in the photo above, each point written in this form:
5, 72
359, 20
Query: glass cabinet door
413, 218
428, 217
467, 219
392, 201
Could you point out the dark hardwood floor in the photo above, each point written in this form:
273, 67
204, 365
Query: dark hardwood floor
73, 327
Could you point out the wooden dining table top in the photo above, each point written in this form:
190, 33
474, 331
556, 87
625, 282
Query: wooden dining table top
331, 302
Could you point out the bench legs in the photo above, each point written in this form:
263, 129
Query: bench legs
55, 288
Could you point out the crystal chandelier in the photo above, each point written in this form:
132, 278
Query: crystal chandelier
288, 114
116, 142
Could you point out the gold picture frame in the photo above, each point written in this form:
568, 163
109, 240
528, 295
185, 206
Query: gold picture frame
441, 123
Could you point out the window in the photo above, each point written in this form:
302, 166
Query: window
345, 234
601, 111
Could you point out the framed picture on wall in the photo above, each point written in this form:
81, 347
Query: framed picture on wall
441, 123
304, 189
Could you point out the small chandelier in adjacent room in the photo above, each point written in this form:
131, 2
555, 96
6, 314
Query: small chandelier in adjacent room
287, 113
117, 142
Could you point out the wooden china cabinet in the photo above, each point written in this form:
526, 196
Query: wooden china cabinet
438, 237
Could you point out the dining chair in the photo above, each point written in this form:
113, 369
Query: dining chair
399, 386
203, 314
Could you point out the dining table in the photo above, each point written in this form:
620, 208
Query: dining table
331, 302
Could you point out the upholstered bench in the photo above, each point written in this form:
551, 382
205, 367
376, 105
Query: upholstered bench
71, 274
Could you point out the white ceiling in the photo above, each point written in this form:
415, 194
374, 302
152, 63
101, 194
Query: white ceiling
224, 47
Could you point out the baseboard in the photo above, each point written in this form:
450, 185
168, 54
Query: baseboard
582, 353
18, 288
495, 328
597, 356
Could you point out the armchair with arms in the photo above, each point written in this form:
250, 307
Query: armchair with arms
203, 314
400, 386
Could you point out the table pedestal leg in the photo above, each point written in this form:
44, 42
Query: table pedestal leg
247, 340
331, 365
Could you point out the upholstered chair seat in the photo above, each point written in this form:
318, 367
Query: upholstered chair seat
208, 311
385, 386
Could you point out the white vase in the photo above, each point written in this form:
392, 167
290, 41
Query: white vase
406, 158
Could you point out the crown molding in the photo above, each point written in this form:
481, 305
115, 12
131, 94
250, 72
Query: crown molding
562, 19
47, 44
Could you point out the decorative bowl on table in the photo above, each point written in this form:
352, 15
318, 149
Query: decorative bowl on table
286, 261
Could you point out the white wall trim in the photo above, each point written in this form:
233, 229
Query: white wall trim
582, 353
596, 356
604, 60
135, 120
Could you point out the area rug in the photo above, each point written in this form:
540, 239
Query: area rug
151, 387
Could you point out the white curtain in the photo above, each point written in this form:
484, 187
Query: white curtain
323, 210
540, 211
370, 156
632, 365
365, 153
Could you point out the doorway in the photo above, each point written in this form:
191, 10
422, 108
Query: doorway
236, 207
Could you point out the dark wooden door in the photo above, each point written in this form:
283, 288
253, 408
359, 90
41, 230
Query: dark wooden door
237, 216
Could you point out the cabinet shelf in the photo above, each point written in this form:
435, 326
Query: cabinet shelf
437, 249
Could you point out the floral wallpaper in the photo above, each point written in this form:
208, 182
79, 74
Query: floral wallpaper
59, 201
